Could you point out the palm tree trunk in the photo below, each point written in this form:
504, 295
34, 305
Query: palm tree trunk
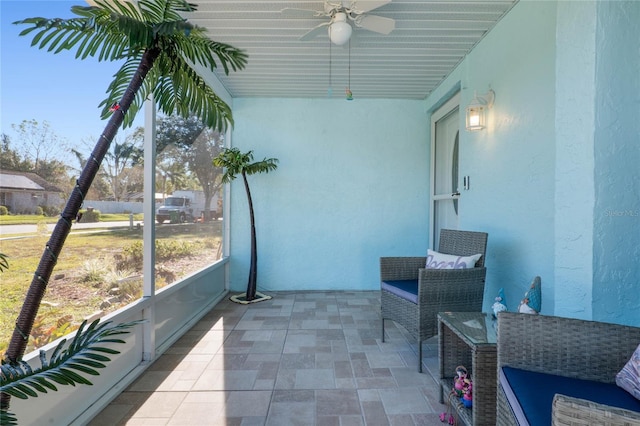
38, 286
253, 269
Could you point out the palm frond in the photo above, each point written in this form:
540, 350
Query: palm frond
97, 33
119, 85
4, 264
7, 418
265, 166
164, 10
84, 354
200, 49
190, 95
118, 8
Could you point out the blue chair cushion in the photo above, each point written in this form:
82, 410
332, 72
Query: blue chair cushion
407, 289
530, 394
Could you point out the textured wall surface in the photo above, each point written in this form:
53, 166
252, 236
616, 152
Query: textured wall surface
351, 186
616, 295
575, 127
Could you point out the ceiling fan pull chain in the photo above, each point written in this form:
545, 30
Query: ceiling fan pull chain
349, 93
330, 90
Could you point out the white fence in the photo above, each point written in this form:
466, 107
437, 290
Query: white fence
115, 206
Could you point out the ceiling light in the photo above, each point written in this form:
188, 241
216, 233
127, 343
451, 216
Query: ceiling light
339, 30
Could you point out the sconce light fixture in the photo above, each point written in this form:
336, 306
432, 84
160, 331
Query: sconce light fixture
477, 110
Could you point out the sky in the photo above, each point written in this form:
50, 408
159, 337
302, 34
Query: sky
56, 88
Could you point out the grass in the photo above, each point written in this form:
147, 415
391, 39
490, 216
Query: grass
90, 264
29, 219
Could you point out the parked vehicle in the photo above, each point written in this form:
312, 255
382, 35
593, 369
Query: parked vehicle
188, 206
175, 210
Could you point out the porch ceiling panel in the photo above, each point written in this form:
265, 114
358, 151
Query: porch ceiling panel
430, 38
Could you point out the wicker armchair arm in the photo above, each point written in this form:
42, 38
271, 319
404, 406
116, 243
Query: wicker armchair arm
568, 347
569, 411
438, 284
400, 268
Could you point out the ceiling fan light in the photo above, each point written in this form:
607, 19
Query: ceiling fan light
340, 30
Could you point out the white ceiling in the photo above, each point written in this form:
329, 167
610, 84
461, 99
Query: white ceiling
430, 38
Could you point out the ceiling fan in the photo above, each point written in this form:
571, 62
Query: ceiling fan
343, 11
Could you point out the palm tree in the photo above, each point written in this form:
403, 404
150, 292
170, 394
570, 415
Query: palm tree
235, 162
160, 50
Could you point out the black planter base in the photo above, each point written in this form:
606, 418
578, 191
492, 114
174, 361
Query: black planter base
242, 298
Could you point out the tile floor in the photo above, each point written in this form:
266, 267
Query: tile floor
301, 358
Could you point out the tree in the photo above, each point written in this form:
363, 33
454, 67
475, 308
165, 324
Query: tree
99, 189
170, 172
200, 157
38, 142
238, 163
196, 146
120, 158
20, 160
159, 48
10, 159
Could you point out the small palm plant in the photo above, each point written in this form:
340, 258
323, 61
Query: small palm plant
86, 353
237, 163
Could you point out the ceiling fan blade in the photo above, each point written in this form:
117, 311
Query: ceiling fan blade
364, 6
315, 32
291, 12
375, 23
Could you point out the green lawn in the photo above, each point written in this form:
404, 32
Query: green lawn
29, 219
90, 266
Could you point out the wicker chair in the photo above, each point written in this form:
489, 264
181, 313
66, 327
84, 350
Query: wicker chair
439, 290
567, 347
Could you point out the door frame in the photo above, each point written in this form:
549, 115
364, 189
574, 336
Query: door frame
445, 109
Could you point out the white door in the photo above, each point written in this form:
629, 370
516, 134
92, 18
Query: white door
445, 133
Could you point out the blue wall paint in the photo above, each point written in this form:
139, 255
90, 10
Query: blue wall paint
616, 254
351, 186
574, 192
511, 163
555, 176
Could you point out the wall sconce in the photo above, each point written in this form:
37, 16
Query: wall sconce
477, 110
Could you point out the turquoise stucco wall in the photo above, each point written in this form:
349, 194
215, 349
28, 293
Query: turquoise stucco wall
574, 190
511, 163
350, 187
616, 295
555, 176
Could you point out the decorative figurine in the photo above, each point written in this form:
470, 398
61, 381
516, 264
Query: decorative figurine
500, 304
349, 94
532, 301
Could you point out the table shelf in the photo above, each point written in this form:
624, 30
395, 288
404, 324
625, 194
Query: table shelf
469, 339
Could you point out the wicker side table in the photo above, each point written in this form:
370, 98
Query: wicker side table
469, 339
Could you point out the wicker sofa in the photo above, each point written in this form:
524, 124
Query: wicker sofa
582, 353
